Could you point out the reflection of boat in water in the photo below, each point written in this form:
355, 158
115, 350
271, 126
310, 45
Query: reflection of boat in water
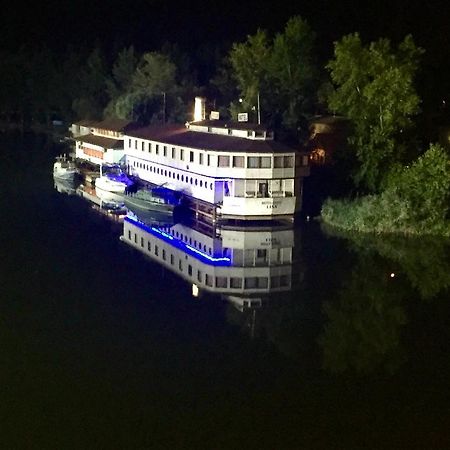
65, 186
113, 179
106, 203
243, 266
157, 199
64, 169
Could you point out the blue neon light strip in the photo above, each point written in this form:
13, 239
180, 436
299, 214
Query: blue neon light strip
211, 260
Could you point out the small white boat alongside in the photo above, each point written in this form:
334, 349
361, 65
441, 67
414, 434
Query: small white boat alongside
113, 179
64, 169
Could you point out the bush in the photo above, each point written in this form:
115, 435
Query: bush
415, 201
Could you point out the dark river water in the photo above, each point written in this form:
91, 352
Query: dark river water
341, 343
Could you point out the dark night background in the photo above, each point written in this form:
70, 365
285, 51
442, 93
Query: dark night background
207, 29
148, 24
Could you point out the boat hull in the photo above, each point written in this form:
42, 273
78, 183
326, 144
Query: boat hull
65, 175
108, 185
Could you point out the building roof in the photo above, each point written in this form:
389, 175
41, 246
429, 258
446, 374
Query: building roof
181, 136
114, 124
85, 123
101, 141
231, 124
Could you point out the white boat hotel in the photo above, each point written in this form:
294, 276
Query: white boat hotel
236, 167
100, 142
242, 265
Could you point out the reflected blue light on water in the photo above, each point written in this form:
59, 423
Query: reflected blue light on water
217, 261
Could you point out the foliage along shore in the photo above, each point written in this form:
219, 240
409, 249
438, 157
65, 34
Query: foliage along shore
415, 201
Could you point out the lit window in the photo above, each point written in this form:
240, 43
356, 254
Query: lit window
238, 161
224, 161
253, 162
266, 162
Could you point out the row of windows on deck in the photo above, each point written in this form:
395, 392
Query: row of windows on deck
172, 175
253, 162
209, 280
105, 132
242, 188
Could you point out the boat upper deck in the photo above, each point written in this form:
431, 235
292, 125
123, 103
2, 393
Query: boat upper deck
180, 135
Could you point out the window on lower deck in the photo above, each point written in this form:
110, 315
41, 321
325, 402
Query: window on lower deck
235, 283
265, 162
238, 161
253, 162
224, 161
259, 162
221, 282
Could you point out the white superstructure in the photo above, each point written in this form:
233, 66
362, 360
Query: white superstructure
236, 166
100, 142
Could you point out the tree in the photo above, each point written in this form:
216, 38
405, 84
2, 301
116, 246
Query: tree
250, 62
374, 88
425, 186
122, 76
293, 70
281, 72
152, 94
92, 98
